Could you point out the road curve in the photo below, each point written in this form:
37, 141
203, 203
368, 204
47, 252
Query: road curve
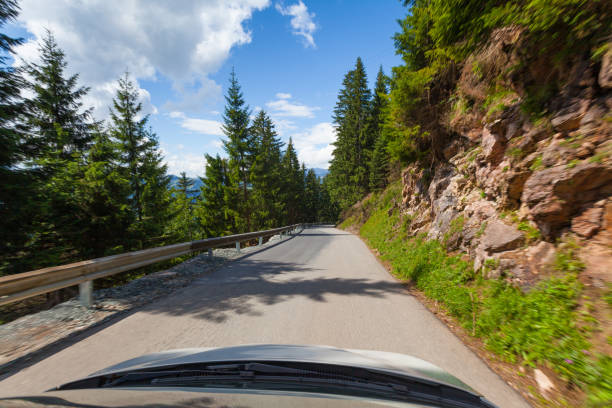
322, 287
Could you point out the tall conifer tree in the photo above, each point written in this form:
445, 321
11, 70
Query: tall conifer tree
213, 213
141, 163
350, 166
18, 184
239, 147
57, 116
379, 163
266, 174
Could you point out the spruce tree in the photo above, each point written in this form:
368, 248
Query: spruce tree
266, 174
293, 184
350, 165
141, 163
213, 211
239, 148
312, 197
379, 163
57, 117
18, 184
100, 211
12, 107
183, 225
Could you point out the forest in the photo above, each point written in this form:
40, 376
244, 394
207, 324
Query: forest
75, 188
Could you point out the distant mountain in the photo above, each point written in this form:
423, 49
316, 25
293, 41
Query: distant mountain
320, 172
197, 183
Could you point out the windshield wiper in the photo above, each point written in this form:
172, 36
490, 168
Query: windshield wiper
310, 377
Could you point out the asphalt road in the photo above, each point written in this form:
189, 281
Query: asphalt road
322, 287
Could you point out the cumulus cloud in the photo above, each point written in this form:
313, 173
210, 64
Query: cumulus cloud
190, 163
184, 41
314, 146
204, 126
301, 21
282, 106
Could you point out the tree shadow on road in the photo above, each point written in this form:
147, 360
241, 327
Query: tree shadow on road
246, 287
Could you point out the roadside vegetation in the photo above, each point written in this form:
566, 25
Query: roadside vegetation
538, 328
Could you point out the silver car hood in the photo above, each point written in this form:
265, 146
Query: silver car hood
395, 363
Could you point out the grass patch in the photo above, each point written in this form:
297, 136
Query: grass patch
572, 164
350, 221
598, 158
537, 164
531, 233
537, 328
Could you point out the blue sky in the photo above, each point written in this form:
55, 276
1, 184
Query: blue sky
290, 57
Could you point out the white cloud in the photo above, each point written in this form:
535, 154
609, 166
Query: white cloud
314, 146
204, 126
301, 21
190, 163
283, 107
184, 41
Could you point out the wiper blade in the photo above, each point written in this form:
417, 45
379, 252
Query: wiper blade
283, 376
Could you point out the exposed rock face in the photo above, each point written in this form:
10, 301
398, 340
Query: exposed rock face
501, 171
588, 223
493, 146
499, 237
605, 73
554, 195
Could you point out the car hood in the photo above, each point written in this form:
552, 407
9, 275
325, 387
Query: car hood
395, 363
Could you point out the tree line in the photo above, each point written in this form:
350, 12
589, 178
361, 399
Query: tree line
73, 187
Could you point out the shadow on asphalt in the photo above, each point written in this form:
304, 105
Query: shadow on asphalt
243, 287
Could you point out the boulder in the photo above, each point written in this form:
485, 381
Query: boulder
585, 150
589, 222
567, 122
499, 237
605, 72
552, 196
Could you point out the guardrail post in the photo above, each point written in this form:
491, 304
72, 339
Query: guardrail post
260, 241
238, 246
85, 293
210, 252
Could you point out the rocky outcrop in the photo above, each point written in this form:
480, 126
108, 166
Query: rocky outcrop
553, 196
605, 72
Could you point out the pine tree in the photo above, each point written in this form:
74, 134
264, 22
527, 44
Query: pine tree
312, 197
183, 225
213, 212
239, 147
293, 184
100, 211
59, 133
141, 163
350, 165
266, 174
57, 118
379, 164
17, 191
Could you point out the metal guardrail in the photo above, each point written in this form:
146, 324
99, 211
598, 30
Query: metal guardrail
24, 285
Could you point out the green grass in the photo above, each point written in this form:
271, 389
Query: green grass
531, 233
572, 164
537, 164
538, 328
